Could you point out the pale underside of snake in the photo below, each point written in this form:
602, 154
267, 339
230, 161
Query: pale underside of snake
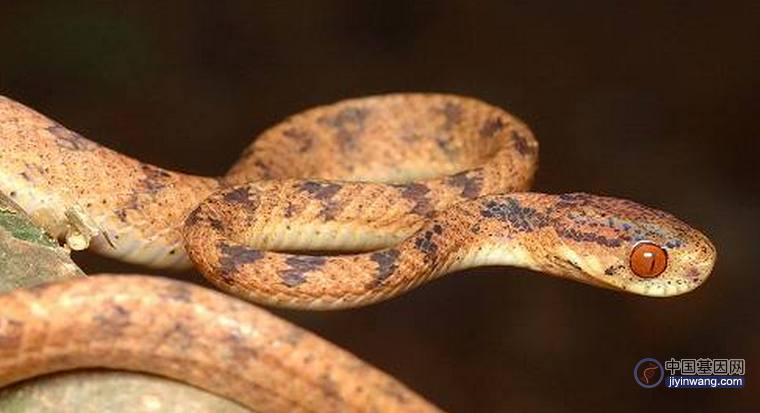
399, 189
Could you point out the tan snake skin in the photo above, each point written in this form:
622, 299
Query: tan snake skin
439, 156
193, 335
404, 187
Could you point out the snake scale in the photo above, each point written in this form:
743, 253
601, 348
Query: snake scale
339, 206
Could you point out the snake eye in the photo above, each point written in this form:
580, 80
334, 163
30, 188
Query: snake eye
648, 260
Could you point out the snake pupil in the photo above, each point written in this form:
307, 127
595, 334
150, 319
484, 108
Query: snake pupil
648, 260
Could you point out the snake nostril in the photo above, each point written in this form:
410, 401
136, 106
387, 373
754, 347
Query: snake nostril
648, 260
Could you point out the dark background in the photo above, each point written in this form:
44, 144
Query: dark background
642, 100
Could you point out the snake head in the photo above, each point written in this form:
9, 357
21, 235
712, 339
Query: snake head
623, 245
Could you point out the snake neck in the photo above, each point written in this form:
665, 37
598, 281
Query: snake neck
525, 230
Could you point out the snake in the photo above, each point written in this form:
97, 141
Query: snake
339, 206
348, 204
192, 334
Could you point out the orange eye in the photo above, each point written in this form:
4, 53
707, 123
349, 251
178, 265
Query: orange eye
648, 260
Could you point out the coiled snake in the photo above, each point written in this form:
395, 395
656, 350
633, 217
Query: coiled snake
401, 189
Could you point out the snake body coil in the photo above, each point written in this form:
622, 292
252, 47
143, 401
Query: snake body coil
404, 187
193, 335
408, 184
